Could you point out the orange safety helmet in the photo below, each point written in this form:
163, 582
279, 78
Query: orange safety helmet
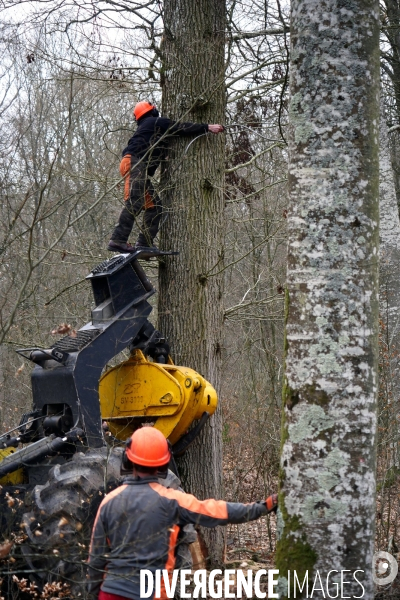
141, 109
148, 448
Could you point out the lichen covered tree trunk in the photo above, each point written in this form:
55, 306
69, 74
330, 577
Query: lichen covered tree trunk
327, 480
190, 294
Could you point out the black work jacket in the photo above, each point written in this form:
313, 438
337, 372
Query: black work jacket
150, 140
137, 527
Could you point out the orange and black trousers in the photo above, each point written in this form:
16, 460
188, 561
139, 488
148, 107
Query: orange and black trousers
139, 195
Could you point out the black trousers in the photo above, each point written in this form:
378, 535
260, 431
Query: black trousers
139, 195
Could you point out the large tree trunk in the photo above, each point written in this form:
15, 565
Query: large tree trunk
190, 296
327, 488
389, 300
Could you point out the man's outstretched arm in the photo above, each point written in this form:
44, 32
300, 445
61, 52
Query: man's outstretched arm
210, 513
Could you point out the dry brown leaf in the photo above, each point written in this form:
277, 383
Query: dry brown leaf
61, 329
5, 548
19, 371
10, 500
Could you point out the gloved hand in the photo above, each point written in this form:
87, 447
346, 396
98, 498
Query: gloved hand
272, 503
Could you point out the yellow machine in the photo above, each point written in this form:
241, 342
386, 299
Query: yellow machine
14, 477
67, 452
73, 397
139, 391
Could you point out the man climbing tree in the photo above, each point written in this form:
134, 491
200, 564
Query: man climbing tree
327, 495
140, 160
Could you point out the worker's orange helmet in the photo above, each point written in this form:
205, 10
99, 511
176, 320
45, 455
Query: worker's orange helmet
141, 109
148, 448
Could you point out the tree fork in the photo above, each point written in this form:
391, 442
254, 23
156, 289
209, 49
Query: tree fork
327, 477
190, 298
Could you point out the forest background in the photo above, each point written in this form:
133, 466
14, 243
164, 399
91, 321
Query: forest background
70, 76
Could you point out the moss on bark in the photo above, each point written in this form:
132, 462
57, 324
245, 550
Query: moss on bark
293, 549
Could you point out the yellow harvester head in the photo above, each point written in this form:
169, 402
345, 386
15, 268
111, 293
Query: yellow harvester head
138, 391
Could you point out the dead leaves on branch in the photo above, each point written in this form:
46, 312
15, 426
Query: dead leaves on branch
51, 591
5, 548
64, 329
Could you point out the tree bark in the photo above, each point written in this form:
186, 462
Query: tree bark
389, 296
327, 480
191, 286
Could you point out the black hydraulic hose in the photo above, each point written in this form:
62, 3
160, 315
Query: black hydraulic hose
33, 453
7, 433
183, 444
11, 442
148, 286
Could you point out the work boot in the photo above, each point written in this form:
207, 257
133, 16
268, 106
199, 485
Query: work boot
140, 246
123, 247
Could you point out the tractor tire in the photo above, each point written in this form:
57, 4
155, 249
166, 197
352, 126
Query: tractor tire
63, 510
60, 522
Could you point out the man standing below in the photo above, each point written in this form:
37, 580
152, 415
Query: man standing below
137, 525
140, 159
